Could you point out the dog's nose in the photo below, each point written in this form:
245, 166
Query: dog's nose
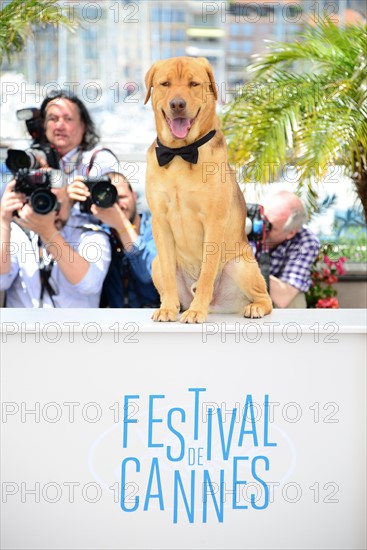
177, 104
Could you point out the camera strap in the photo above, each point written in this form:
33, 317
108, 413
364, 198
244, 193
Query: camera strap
45, 274
43, 268
264, 264
68, 167
92, 159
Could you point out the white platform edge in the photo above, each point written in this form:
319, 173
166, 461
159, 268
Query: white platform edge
343, 321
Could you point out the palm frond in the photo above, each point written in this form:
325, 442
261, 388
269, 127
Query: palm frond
272, 116
325, 44
18, 18
308, 118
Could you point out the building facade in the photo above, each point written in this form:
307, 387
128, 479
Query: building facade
117, 40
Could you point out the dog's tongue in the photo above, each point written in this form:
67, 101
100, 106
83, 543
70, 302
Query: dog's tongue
180, 127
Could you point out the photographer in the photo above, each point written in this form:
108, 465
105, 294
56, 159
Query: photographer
293, 249
129, 281
71, 131
49, 259
64, 137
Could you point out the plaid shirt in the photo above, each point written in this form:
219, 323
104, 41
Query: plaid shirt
291, 260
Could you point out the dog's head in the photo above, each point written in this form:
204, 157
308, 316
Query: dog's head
183, 98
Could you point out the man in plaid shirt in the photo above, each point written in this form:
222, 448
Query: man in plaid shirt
293, 249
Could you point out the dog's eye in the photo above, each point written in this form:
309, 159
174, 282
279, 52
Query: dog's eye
193, 84
165, 83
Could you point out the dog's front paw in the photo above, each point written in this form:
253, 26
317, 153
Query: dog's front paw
165, 314
193, 316
257, 310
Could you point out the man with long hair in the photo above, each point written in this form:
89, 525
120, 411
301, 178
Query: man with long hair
71, 130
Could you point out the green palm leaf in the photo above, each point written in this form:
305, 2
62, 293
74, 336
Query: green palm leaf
306, 105
18, 17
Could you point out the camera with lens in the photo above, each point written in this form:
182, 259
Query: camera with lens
257, 224
17, 159
37, 185
40, 149
30, 179
102, 193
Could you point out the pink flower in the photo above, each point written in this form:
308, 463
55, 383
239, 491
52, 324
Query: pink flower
330, 303
327, 261
339, 266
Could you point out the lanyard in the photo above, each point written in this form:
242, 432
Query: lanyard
74, 163
45, 274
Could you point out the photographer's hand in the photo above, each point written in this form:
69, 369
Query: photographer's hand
10, 203
281, 293
42, 224
41, 161
73, 266
110, 216
117, 219
77, 190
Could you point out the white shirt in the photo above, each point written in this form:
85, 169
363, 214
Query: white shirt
23, 284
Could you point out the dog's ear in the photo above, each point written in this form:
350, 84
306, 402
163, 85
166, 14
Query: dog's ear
210, 73
149, 82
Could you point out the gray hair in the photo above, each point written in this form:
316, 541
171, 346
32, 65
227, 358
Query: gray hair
296, 219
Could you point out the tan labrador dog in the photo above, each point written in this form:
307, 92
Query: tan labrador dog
204, 262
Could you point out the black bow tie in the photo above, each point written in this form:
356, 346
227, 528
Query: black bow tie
189, 153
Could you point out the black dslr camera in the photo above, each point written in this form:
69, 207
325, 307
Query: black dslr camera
102, 193
40, 149
257, 224
37, 185
17, 159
